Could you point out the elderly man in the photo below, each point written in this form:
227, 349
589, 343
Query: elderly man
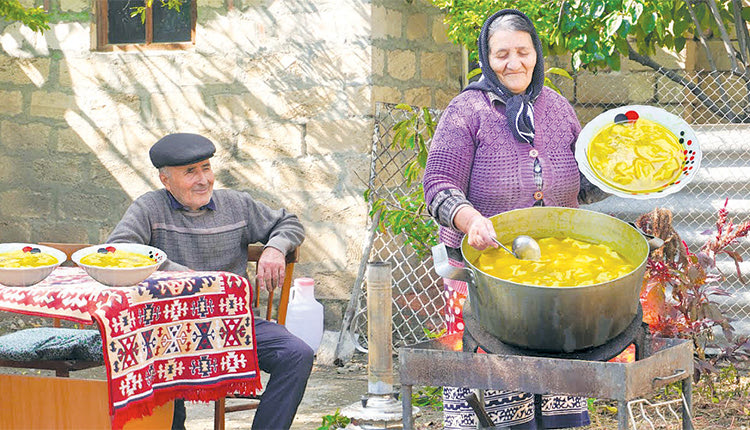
205, 229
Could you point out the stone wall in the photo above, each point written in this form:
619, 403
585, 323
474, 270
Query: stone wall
285, 89
413, 61
591, 93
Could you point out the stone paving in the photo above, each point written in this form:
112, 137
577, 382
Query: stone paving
328, 389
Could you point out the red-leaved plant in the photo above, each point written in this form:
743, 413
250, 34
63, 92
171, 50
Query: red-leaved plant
680, 286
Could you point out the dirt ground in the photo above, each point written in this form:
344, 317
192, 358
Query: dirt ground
333, 388
728, 407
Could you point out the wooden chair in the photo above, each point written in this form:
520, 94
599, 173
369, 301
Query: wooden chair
253, 255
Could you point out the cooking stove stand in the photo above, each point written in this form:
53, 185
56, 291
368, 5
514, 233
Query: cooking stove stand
445, 362
635, 333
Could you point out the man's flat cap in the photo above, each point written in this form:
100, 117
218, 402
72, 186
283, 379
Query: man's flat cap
180, 149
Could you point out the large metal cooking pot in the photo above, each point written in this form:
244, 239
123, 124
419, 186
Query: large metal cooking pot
555, 318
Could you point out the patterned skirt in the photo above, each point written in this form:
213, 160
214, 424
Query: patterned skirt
508, 408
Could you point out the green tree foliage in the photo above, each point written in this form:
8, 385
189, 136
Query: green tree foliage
598, 33
35, 18
407, 215
141, 10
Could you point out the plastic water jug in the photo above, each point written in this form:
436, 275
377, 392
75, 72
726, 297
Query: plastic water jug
304, 316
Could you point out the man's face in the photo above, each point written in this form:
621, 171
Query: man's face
191, 185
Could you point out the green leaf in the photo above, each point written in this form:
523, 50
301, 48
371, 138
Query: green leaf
409, 143
577, 42
636, 11
745, 13
560, 72
426, 116
422, 158
665, 10
576, 60
648, 22
612, 24
598, 8
399, 137
404, 106
622, 46
624, 30
473, 73
668, 42
613, 61
679, 44
568, 24
548, 83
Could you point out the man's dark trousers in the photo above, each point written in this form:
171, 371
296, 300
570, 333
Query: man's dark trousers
289, 361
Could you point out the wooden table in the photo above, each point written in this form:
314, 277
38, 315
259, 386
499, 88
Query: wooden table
176, 335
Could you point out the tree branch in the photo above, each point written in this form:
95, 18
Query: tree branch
742, 35
731, 52
743, 39
714, 73
701, 37
694, 89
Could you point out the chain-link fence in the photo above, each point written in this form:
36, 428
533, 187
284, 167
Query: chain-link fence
724, 174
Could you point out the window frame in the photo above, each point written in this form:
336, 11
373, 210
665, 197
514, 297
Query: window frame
102, 31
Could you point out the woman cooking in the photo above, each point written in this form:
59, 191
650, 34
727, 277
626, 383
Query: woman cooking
505, 142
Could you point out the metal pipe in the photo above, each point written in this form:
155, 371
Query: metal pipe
380, 409
379, 337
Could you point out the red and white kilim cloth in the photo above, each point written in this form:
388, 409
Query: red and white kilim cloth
183, 335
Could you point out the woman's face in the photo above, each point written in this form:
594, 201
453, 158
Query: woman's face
512, 57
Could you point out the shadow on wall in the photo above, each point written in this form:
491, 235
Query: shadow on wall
282, 89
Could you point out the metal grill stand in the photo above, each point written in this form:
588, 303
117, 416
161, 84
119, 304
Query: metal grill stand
636, 333
451, 361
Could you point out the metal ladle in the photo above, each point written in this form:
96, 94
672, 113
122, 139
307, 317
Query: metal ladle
524, 248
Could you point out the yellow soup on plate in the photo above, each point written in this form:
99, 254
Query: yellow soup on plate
640, 156
565, 262
19, 258
117, 258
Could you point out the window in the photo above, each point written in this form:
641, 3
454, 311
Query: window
161, 28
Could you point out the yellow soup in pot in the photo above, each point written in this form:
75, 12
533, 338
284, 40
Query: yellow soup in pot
117, 258
19, 258
643, 156
565, 262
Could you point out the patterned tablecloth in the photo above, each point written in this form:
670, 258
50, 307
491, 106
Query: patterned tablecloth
183, 335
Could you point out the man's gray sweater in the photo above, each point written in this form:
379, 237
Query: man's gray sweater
208, 239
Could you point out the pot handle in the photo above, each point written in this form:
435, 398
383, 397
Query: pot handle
653, 241
445, 269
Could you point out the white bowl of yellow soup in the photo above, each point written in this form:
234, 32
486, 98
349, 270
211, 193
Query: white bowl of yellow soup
638, 152
25, 264
119, 264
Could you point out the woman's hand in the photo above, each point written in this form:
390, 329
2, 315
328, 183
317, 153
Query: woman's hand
479, 230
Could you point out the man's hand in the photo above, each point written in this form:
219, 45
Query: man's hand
270, 273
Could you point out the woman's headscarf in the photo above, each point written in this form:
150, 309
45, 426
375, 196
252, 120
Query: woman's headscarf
518, 108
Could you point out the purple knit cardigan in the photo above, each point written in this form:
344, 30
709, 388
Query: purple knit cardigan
474, 151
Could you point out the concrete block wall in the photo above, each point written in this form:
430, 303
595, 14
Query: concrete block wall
413, 60
592, 93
